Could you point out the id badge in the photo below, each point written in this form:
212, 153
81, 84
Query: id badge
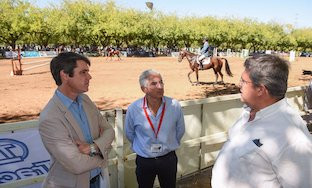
156, 148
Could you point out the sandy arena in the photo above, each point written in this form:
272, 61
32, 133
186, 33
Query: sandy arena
115, 84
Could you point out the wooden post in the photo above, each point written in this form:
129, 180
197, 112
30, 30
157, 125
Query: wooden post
13, 71
119, 149
19, 61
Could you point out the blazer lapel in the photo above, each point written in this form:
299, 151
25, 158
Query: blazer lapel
69, 117
92, 118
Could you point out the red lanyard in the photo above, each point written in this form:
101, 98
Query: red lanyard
149, 120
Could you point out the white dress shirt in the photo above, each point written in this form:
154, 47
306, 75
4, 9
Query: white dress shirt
274, 150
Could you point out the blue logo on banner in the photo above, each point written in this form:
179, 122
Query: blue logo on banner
12, 151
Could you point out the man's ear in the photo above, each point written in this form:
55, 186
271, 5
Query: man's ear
64, 76
262, 90
143, 89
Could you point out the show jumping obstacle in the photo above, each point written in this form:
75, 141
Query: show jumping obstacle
17, 64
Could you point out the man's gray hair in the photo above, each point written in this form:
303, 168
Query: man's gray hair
271, 71
144, 76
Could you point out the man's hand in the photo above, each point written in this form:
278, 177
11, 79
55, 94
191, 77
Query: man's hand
83, 147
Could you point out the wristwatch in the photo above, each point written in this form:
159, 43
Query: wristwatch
92, 150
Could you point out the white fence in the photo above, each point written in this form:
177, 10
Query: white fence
207, 121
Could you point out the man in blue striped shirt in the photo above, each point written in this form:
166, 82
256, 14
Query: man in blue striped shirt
154, 126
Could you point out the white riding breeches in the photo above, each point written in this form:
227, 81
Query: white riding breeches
201, 57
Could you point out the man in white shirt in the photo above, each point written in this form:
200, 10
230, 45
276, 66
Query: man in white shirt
269, 145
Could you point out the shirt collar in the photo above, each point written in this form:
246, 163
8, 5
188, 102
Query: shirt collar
269, 109
144, 98
66, 100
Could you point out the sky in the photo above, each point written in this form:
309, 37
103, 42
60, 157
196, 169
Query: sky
295, 12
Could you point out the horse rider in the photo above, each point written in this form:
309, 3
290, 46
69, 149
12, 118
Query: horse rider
203, 53
112, 49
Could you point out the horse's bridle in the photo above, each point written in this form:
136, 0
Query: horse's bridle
182, 54
191, 59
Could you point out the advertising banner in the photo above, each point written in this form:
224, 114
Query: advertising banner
31, 54
10, 54
22, 155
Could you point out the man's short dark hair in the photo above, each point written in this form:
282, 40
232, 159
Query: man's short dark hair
66, 61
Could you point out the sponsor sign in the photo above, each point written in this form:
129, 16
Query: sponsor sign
10, 54
31, 54
24, 54
22, 155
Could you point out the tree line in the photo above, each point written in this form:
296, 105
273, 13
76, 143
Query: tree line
86, 23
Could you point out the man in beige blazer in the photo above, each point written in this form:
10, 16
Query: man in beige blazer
72, 129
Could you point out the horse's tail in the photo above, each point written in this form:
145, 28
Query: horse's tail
227, 67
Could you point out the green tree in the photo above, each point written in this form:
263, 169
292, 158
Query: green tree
14, 21
41, 27
303, 38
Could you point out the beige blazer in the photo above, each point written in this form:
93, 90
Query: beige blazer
59, 130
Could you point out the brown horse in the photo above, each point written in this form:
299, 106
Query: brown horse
215, 63
111, 52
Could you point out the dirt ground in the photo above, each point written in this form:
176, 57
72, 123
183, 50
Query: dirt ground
115, 83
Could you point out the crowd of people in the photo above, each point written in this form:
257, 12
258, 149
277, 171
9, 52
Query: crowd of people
268, 146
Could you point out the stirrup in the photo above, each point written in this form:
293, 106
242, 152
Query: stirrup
201, 67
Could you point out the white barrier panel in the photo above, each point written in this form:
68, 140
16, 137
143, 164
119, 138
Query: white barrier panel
228, 52
292, 55
245, 53
22, 155
174, 54
124, 53
207, 122
268, 51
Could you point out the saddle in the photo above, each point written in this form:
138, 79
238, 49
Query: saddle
202, 62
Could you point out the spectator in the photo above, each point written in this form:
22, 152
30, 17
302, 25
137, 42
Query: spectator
154, 126
73, 130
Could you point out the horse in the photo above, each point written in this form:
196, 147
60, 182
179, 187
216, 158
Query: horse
215, 63
111, 52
